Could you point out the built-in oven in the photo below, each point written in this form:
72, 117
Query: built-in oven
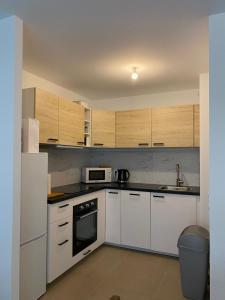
85, 225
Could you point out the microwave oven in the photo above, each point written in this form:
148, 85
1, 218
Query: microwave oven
96, 175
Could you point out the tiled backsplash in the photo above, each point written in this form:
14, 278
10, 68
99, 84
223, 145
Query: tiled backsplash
145, 165
65, 165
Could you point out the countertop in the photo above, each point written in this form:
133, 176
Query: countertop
79, 189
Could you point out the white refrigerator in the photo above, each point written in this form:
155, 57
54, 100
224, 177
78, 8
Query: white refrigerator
33, 236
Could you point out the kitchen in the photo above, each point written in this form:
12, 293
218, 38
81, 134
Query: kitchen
111, 204
118, 177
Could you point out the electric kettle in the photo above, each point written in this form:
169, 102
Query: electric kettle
122, 175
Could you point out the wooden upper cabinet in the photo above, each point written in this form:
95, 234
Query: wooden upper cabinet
133, 128
103, 128
172, 126
196, 126
47, 112
71, 123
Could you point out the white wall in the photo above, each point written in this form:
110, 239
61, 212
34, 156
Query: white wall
217, 155
31, 80
160, 99
10, 155
204, 150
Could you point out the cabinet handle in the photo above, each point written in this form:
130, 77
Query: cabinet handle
66, 241
64, 224
80, 143
159, 144
158, 196
86, 253
115, 193
65, 205
132, 194
52, 140
143, 144
98, 144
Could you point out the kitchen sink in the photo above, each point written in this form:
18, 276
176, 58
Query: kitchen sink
175, 188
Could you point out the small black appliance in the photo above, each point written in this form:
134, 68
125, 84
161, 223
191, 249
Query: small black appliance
122, 175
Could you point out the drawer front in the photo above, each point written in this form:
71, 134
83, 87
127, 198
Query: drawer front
62, 229
59, 248
59, 211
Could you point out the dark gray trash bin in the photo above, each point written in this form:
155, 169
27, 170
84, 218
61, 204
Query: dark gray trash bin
193, 247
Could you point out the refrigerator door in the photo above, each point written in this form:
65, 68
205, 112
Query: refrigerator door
33, 269
34, 196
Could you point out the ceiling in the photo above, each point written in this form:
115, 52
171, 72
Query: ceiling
90, 46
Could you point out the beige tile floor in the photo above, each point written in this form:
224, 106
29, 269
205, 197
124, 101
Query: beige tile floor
114, 271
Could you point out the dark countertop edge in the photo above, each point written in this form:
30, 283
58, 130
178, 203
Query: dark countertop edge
194, 192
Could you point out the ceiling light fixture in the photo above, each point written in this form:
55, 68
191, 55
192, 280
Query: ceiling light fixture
134, 74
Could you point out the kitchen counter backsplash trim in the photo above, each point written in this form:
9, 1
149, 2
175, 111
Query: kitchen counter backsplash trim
79, 189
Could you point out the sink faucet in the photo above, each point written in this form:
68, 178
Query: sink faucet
179, 181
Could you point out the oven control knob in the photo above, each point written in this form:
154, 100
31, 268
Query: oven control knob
87, 205
81, 207
92, 204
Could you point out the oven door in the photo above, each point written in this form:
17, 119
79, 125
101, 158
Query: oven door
84, 230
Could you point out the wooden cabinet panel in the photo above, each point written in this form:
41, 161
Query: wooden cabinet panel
47, 112
133, 128
170, 214
196, 126
71, 123
135, 219
172, 126
103, 128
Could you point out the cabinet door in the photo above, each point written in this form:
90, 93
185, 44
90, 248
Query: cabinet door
47, 112
71, 123
196, 126
172, 126
59, 248
133, 128
135, 219
103, 128
113, 216
170, 214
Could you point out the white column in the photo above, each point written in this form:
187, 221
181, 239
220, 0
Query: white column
10, 154
217, 155
204, 150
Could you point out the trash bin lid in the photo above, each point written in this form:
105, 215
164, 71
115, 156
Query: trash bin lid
195, 238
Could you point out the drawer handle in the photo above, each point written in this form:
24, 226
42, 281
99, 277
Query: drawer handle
98, 144
115, 193
132, 194
86, 253
66, 241
65, 205
80, 143
143, 144
64, 224
52, 140
158, 196
159, 144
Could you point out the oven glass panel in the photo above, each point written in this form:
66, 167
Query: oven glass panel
97, 175
84, 225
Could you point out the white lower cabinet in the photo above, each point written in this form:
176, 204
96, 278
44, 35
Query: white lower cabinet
60, 234
144, 220
135, 219
112, 233
59, 248
170, 214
